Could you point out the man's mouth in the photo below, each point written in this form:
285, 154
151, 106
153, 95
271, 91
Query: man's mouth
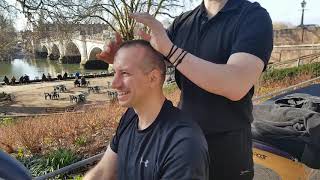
122, 93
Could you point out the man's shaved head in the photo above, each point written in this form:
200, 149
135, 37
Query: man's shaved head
152, 58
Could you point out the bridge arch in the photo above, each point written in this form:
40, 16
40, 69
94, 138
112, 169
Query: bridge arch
43, 52
93, 52
55, 53
72, 54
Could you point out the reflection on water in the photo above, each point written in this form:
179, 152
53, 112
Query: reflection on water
36, 67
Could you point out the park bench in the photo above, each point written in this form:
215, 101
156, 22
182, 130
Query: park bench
60, 88
113, 95
52, 95
94, 89
85, 83
79, 97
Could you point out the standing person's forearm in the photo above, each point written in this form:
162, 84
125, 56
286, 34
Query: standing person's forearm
222, 79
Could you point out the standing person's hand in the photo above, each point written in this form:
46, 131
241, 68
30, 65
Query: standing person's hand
158, 38
110, 50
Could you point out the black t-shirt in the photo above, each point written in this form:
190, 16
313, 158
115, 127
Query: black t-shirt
241, 26
172, 147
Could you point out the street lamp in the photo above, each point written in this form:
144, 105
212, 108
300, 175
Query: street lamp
303, 5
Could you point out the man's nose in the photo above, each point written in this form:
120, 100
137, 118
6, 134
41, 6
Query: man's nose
116, 83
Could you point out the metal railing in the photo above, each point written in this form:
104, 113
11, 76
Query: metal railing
296, 62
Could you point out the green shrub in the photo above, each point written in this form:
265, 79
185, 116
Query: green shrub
273, 75
60, 158
41, 165
81, 141
168, 89
6, 121
78, 177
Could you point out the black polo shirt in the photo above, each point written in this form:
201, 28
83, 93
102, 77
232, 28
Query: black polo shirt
172, 147
241, 26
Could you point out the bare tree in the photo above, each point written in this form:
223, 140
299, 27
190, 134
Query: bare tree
115, 13
7, 37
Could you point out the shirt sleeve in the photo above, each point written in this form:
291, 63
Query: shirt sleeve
170, 30
187, 160
116, 137
254, 34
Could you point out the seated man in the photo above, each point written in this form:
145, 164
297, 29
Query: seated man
83, 81
154, 140
76, 82
65, 76
59, 77
13, 80
21, 80
44, 78
6, 80
26, 79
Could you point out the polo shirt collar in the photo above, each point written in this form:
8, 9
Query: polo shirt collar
230, 5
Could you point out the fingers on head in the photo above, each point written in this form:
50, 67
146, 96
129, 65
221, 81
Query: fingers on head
118, 38
101, 55
144, 35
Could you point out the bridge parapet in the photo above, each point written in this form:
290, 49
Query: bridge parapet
85, 44
288, 52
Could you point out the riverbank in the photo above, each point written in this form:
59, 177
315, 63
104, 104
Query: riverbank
29, 99
70, 77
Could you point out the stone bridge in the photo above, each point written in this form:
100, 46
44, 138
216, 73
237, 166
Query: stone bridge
82, 47
284, 53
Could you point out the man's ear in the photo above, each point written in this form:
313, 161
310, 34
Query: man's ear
154, 77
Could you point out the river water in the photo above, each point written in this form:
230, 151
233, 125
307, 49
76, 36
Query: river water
34, 68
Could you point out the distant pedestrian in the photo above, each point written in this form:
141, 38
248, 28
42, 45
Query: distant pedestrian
78, 75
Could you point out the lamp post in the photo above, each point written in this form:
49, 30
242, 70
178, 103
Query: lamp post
303, 5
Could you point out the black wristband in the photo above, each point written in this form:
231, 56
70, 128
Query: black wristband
174, 62
180, 60
171, 53
171, 50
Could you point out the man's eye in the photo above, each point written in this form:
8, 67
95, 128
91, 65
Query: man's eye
125, 73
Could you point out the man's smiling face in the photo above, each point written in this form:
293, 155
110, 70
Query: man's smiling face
131, 80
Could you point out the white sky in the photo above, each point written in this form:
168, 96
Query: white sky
290, 11
279, 10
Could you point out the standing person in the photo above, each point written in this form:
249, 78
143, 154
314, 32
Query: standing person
154, 140
219, 49
78, 75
